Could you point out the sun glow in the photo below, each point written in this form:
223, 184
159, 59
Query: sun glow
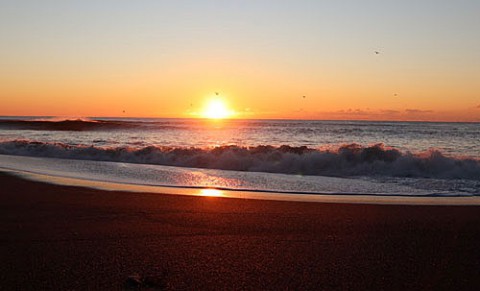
216, 109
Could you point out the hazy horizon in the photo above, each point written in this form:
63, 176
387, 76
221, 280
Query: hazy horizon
71, 118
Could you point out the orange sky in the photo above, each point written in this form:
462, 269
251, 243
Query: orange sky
159, 59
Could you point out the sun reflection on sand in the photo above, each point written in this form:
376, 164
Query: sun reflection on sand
211, 193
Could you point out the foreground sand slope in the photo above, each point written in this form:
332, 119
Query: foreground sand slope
59, 238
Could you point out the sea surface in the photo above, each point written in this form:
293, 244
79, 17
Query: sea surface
287, 156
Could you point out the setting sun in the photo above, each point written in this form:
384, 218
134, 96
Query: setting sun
216, 109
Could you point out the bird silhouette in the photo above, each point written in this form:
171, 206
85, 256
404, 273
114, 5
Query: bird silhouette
216, 93
377, 52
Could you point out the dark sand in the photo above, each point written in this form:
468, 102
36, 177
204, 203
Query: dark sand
65, 238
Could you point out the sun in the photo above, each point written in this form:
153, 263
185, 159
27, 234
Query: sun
216, 109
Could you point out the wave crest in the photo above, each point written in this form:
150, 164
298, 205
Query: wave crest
346, 160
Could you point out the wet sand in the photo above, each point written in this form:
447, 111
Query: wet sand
72, 238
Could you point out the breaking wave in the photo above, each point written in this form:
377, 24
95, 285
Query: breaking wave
346, 160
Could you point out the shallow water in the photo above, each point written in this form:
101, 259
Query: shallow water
167, 176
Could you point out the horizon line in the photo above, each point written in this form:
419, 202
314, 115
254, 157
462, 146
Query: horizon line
69, 117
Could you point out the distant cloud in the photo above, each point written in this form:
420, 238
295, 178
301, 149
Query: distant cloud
396, 114
378, 114
355, 112
389, 111
384, 112
417, 111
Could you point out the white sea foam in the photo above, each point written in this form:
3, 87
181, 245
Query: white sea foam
346, 161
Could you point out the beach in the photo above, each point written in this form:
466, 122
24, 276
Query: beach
239, 145
73, 238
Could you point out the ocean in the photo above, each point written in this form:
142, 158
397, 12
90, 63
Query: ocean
269, 156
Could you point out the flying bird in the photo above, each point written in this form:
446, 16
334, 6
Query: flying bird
216, 93
377, 52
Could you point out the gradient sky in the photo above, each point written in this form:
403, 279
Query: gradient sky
166, 58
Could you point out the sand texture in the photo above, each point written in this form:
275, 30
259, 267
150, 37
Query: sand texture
72, 238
